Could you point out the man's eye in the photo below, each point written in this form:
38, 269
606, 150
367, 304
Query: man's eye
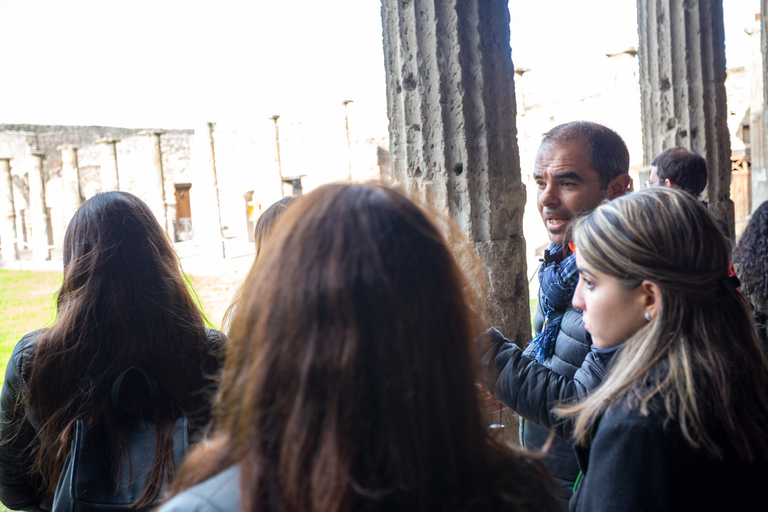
541, 185
568, 184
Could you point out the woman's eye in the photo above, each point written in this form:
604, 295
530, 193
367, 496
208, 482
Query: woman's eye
588, 284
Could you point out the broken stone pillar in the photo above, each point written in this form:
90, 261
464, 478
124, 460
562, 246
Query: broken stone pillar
155, 187
110, 179
9, 246
453, 139
38, 209
206, 214
682, 87
70, 182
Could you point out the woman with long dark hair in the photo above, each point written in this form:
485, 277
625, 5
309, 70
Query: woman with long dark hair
681, 420
123, 303
750, 259
350, 380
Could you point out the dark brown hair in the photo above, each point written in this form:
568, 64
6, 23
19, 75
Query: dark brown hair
123, 302
350, 378
608, 153
686, 169
750, 258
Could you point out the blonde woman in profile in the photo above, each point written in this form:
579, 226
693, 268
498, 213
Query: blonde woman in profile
681, 420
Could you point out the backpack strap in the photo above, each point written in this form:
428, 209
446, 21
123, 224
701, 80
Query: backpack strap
154, 391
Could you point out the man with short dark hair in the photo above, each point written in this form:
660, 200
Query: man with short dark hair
680, 168
578, 165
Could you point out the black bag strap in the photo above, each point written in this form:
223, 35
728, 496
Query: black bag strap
152, 387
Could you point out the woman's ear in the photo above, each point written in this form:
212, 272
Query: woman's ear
651, 297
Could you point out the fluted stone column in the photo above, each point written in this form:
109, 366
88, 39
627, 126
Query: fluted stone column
110, 180
156, 184
206, 214
682, 86
453, 139
758, 119
38, 209
70, 182
8, 213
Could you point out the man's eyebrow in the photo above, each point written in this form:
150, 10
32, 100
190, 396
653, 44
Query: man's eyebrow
568, 175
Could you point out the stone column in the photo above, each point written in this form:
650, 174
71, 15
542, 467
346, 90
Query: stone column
156, 184
206, 212
758, 119
70, 182
10, 248
453, 139
682, 87
110, 179
38, 209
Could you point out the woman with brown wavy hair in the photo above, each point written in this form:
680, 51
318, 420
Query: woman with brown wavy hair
123, 303
350, 378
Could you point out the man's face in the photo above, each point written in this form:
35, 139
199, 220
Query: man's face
567, 186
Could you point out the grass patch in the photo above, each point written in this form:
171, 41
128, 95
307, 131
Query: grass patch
26, 303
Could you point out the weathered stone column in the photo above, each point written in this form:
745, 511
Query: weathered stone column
206, 214
758, 118
110, 179
682, 86
156, 184
70, 182
453, 139
8, 213
38, 209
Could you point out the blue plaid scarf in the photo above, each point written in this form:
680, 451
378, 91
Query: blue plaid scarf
558, 278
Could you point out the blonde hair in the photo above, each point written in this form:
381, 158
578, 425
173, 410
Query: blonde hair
699, 356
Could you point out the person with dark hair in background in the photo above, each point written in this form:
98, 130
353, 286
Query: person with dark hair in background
350, 381
578, 165
263, 227
679, 168
123, 303
750, 260
682, 168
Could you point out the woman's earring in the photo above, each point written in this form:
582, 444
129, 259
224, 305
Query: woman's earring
647, 316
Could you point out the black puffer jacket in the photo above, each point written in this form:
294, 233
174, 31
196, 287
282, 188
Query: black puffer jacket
572, 345
524, 385
20, 488
527, 392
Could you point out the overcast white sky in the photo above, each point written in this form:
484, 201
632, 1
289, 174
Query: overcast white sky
168, 63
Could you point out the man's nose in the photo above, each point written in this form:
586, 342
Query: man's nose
548, 196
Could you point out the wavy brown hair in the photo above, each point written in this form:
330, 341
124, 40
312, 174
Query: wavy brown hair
350, 378
699, 356
123, 302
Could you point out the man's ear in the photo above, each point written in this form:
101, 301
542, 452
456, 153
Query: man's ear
668, 182
619, 185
